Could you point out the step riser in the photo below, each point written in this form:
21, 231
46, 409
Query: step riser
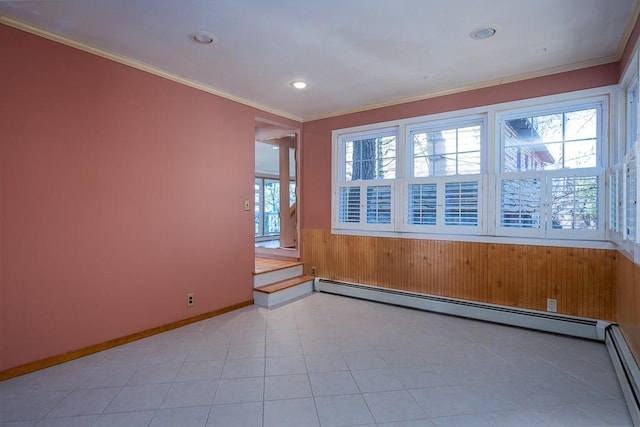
285, 295
276, 276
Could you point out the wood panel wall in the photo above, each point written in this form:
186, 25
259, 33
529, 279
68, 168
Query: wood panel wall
628, 303
582, 280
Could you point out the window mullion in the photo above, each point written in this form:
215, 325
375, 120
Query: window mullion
546, 198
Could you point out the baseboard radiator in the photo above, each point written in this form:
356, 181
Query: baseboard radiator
550, 322
626, 369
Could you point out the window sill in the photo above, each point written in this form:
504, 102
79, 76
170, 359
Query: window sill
529, 241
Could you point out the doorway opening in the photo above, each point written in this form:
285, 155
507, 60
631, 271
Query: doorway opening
276, 221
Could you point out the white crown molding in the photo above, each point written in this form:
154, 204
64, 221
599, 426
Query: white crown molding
139, 65
209, 89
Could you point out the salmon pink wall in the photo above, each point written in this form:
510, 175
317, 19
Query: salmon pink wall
120, 192
316, 151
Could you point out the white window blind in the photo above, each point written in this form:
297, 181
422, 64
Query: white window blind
614, 201
461, 204
520, 205
450, 205
631, 197
574, 202
379, 204
349, 205
422, 204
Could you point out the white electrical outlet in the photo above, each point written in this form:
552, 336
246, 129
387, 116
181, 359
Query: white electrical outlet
189, 299
552, 305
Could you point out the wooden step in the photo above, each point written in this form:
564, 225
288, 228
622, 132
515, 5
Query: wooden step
284, 284
267, 265
268, 277
284, 291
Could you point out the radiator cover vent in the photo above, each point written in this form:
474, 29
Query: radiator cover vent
626, 369
532, 319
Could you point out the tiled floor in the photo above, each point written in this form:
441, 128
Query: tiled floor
327, 360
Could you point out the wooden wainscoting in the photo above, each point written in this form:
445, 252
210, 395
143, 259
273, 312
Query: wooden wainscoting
628, 304
582, 280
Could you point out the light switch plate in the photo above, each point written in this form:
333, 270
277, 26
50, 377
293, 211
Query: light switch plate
247, 205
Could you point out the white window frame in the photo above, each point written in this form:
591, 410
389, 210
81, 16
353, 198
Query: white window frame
340, 181
489, 179
546, 230
627, 152
446, 124
442, 180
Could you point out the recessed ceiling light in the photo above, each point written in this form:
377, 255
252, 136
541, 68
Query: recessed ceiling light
299, 84
203, 37
483, 33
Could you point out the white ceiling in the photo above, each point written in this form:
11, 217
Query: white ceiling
355, 54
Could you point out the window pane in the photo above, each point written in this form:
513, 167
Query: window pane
421, 154
469, 139
257, 206
547, 128
556, 141
574, 204
379, 204
461, 203
371, 158
271, 207
422, 204
292, 193
349, 204
469, 163
453, 151
520, 205
581, 125
580, 154
348, 171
